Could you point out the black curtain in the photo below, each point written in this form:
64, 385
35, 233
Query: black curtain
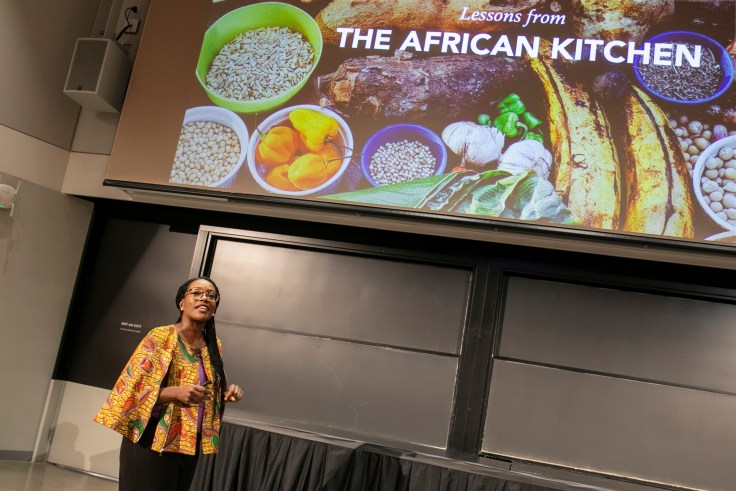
255, 460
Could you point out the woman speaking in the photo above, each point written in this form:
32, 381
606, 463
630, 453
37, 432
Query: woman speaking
169, 399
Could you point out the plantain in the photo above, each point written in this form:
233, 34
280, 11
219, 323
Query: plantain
586, 171
658, 197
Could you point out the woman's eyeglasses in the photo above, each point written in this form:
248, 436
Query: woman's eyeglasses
200, 294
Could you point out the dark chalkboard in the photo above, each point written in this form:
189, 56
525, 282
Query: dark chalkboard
619, 382
336, 341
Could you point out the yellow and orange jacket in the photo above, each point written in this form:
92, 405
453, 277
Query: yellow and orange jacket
128, 408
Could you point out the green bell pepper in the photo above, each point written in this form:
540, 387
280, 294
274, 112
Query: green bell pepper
508, 123
530, 135
511, 103
484, 119
530, 120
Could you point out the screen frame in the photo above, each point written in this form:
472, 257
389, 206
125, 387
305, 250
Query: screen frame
468, 223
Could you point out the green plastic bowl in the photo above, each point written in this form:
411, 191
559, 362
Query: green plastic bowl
238, 21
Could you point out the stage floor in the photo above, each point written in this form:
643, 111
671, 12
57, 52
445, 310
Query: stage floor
41, 476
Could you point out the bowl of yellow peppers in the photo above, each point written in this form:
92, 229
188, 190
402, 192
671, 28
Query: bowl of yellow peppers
300, 150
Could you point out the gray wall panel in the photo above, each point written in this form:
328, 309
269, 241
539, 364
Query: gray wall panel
336, 295
653, 337
36, 44
41, 249
604, 424
314, 383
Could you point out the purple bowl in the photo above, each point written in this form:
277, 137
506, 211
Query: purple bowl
396, 133
726, 62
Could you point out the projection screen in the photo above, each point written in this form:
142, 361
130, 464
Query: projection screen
611, 117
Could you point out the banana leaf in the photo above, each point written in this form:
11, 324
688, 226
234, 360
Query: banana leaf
410, 194
494, 193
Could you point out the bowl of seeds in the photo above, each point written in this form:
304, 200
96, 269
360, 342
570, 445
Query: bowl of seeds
402, 152
211, 148
257, 57
714, 182
684, 67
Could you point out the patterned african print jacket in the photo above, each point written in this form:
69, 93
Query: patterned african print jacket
127, 409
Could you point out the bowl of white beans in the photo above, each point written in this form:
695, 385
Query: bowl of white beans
211, 149
714, 182
402, 152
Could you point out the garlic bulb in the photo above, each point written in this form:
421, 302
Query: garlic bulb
524, 155
476, 144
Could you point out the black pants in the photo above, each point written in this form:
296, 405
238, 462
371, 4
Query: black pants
142, 469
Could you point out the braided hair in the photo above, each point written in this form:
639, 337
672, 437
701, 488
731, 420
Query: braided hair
219, 382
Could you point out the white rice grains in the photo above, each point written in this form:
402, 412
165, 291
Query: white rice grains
260, 63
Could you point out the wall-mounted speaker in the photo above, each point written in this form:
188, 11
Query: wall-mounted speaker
108, 12
98, 75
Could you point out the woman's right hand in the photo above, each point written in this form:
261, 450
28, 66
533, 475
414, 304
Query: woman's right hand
187, 394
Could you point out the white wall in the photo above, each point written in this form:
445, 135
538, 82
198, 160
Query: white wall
28, 158
40, 252
78, 441
41, 245
36, 45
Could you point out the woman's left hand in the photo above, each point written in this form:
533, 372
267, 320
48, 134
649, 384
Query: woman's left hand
234, 393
